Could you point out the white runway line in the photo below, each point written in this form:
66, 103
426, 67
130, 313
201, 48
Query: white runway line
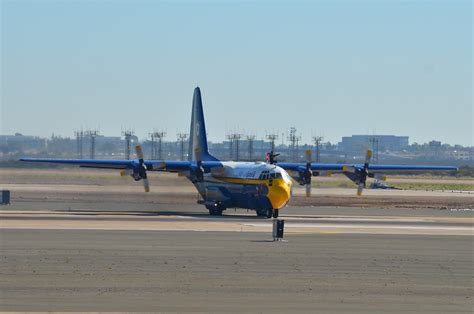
314, 225
363, 226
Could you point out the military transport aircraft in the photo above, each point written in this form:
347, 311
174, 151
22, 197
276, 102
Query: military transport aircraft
261, 186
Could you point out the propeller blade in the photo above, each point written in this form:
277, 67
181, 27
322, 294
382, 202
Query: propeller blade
308, 189
308, 155
146, 184
142, 169
308, 173
139, 152
380, 177
348, 169
360, 188
126, 172
368, 156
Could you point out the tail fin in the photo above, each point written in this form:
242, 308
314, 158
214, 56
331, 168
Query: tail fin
197, 132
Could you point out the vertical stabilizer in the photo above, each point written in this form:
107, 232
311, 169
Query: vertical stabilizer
197, 132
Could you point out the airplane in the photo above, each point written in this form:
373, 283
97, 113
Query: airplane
261, 186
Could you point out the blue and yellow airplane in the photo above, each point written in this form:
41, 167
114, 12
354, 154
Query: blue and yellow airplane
261, 186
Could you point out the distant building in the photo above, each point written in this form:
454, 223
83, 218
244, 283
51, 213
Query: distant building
21, 142
359, 143
465, 155
100, 139
434, 144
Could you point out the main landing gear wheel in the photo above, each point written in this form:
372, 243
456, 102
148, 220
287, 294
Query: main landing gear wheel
275, 213
269, 213
215, 210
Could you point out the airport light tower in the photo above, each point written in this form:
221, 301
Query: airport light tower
92, 134
250, 139
294, 140
317, 146
79, 143
231, 146
128, 134
235, 138
157, 138
182, 138
272, 138
375, 148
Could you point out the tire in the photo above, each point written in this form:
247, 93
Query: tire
275, 213
215, 212
269, 213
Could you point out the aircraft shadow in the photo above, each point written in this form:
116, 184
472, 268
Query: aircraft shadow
92, 212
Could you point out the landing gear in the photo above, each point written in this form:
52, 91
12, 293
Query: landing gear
275, 213
268, 213
215, 210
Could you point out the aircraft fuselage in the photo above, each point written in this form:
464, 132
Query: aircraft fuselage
263, 187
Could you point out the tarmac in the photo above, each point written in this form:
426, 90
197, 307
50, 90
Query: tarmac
333, 260
67, 247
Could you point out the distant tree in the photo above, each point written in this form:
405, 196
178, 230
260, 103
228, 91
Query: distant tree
465, 171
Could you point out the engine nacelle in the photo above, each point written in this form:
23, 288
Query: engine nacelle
197, 174
137, 172
304, 176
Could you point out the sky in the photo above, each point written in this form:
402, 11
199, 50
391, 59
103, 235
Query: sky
329, 68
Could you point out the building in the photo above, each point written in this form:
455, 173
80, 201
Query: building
359, 143
465, 155
20, 142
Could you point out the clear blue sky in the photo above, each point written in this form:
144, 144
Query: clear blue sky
331, 68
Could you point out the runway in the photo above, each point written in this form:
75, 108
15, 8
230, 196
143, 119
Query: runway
336, 260
97, 270
294, 223
115, 248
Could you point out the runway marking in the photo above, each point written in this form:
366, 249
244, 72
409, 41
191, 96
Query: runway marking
354, 226
316, 225
315, 232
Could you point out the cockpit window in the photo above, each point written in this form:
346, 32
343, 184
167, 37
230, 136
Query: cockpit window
264, 175
270, 174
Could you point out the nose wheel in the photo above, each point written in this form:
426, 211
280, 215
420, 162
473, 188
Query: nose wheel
268, 213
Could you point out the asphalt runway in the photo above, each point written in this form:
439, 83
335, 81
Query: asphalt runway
101, 257
92, 248
96, 270
236, 222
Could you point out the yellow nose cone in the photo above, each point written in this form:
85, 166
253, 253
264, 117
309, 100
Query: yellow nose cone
279, 193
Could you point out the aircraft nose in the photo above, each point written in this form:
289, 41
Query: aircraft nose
279, 193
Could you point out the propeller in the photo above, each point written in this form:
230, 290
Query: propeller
307, 173
364, 173
359, 175
142, 168
138, 170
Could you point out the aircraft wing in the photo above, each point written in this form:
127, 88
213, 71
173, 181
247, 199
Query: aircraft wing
372, 167
151, 165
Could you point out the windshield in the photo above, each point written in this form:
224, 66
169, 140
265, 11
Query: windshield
269, 174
